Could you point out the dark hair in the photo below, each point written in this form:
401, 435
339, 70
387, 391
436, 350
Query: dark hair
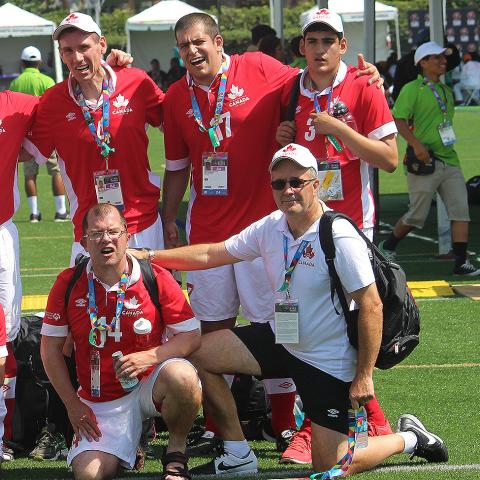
269, 44
322, 27
31, 63
260, 31
295, 46
188, 21
102, 210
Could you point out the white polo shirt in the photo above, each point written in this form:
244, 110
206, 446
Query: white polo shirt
323, 334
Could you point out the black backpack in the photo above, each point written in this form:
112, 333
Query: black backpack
473, 190
148, 278
401, 317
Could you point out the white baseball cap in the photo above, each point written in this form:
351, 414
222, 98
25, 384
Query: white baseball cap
332, 19
77, 20
300, 155
31, 54
429, 48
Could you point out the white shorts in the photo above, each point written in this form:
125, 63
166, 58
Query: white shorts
120, 421
216, 293
10, 283
151, 237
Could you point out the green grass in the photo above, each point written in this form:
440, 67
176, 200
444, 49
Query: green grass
444, 397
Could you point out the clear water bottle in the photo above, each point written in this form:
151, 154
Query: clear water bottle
341, 111
95, 373
127, 383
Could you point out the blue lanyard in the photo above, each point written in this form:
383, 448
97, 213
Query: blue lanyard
438, 98
289, 270
93, 310
218, 107
104, 138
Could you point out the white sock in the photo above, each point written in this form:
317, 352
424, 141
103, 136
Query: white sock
32, 203
410, 440
60, 203
239, 448
229, 379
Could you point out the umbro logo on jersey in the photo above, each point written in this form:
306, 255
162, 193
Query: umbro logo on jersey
285, 385
80, 302
298, 109
2, 130
189, 113
71, 116
237, 96
332, 413
121, 105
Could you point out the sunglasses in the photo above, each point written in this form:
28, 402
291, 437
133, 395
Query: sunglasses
294, 182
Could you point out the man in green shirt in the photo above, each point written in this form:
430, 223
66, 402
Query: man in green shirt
33, 82
428, 105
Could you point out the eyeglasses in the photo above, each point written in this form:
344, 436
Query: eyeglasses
97, 235
294, 182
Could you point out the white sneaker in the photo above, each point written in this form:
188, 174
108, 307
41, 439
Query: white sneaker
227, 463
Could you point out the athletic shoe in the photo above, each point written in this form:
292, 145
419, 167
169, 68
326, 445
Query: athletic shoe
467, 269
284, 439
429, 446
35, 217
61, 217
300, 449
390, 255
203, 445
50, 446
375, 430
227, 463
7, 453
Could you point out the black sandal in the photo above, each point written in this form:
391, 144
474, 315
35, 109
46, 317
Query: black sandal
177, 457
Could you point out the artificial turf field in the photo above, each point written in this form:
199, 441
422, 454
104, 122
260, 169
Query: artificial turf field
439, 382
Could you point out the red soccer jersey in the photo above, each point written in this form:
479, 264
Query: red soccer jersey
374, 120
250, 116
176, 316
16, 117
3, 334
60, 125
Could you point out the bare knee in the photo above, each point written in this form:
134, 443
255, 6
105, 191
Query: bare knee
178, 379
92, 465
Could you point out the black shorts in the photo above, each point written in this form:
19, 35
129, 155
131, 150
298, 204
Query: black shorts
325, 398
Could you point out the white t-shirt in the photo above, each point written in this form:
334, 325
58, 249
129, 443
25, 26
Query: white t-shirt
323, 334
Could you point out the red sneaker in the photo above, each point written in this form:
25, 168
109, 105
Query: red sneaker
375, 430
300, 448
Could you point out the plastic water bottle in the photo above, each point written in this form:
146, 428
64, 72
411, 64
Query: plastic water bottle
340, 111
142, 328
128, 384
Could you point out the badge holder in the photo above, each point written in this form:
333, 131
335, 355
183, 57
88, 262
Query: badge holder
330, 176
286, 320
447, 134
108, 187
215, 173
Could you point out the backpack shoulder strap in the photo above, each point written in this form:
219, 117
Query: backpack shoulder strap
150, 282
294, 92
79, 268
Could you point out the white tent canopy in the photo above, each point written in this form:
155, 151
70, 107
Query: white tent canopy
352, 13
150, 33
19, 29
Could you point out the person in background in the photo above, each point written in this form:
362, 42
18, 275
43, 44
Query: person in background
176, 71
258, 32
157, 74
33, 82
469, 79
298, 59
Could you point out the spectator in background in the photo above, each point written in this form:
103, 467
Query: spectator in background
157, 74
258, 32
298, 59
469, 79
271, 45
33, 82
176, 71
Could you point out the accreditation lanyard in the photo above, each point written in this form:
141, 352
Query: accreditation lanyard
438, 98
357, 423
218, 107
102, 139
97, 324
289, 270
331, 138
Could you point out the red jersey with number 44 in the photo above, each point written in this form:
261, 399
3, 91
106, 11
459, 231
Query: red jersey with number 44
176, 317
368, 106
249, 120
60, 125
16, 118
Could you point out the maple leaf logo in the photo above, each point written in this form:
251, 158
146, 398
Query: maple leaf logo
308, 252
235, 92
120, 101
289, 149
71, 18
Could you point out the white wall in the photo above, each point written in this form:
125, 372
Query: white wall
354, 35
146, 46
